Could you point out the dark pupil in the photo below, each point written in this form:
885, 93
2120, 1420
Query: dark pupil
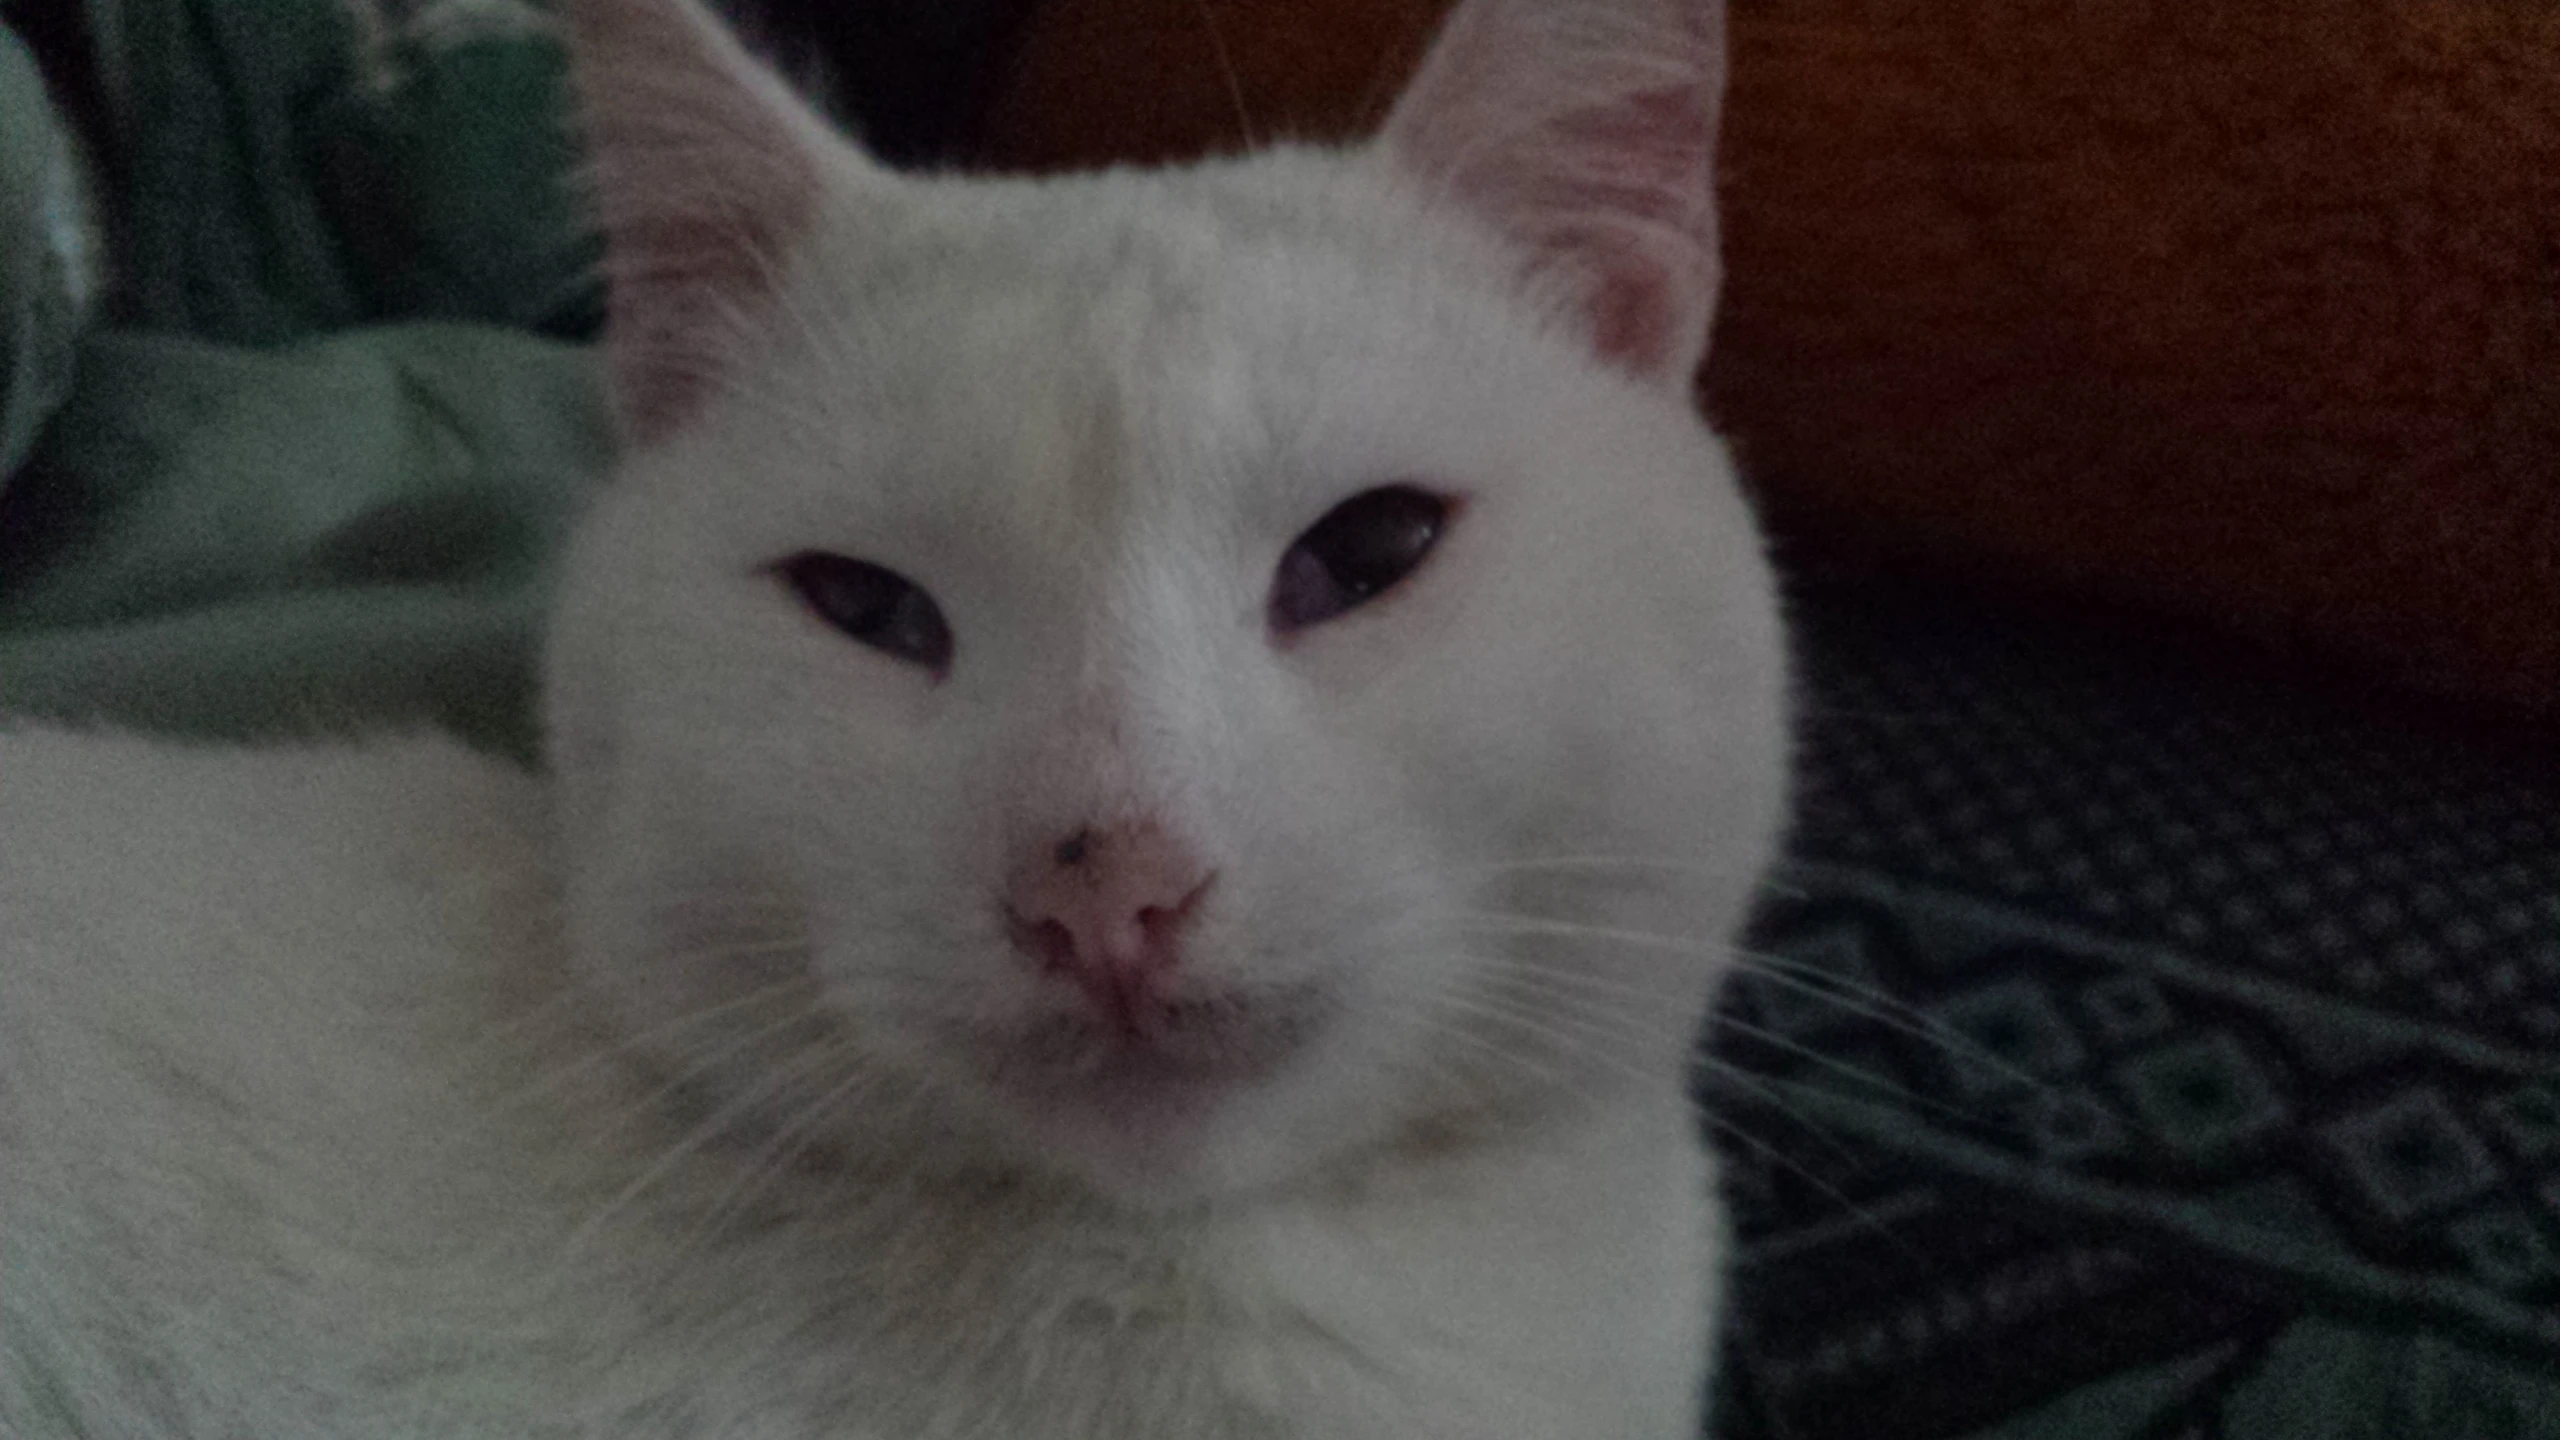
1360, 548
878, 607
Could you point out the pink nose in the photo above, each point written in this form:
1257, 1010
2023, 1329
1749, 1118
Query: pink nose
1106, 908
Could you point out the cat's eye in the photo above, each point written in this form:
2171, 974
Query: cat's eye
878, 607
1358, 551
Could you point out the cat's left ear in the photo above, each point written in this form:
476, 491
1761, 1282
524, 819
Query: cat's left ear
706, 174
1585, 132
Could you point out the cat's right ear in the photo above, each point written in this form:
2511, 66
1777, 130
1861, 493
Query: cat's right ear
1584, 131
705, 172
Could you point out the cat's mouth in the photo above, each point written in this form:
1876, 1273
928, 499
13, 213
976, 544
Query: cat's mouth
1163, 1049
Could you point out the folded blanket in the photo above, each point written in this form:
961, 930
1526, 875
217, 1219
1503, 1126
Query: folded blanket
307, 469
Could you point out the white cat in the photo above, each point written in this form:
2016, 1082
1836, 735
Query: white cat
1150, 778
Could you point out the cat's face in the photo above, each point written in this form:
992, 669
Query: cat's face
1241, 554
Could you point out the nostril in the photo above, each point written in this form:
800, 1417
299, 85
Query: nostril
1048, 943
1161, 923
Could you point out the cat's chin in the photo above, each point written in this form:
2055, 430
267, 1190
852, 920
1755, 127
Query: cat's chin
1143, 1141
1157, 1122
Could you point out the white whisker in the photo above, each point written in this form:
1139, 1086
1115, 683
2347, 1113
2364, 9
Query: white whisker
1512, 1059
1227, 72
623, 1046
1875, 1005
1607, 1029
774, 1158
720, 1121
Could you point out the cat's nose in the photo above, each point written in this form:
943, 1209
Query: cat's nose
1106, 906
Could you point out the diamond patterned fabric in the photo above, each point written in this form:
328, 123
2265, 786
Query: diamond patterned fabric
2143, 1043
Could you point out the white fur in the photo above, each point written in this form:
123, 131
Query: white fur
378, 1091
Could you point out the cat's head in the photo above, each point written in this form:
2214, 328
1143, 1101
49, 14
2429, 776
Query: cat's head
1172, 678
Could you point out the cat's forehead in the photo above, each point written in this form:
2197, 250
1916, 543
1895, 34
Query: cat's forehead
1138, 270
1182, 238
1073, 348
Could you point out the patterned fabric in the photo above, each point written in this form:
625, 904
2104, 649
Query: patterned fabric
2144, 1047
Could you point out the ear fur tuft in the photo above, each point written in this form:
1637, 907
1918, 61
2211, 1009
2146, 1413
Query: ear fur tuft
704, 170
1585, 131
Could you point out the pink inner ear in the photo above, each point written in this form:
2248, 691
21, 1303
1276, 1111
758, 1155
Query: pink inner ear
1648, 252
704, 173
682, 284
1631, 308
1586, 131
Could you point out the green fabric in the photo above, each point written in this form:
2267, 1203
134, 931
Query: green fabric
230, 542
41, 284
311, 473
284, 175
